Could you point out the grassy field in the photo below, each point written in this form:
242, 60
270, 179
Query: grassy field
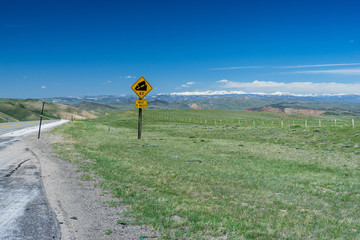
226, 174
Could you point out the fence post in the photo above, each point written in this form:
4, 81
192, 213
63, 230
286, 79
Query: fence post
41, 117
306, 124
353, 122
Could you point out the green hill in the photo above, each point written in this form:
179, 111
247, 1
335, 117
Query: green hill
30, 109
95, 108
155, 104
292, 105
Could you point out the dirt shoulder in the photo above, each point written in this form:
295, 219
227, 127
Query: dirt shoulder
81, 209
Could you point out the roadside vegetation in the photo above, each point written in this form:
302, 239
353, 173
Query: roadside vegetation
199, 174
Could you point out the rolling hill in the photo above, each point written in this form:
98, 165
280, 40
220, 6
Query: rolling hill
12, 110
325, 105
95, 108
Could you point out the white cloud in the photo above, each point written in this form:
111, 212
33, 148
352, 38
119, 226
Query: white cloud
223, 81
128, 77
43, 87
321, 65
231, 68
349, 71
307, 88
224, 92
188, 84
206, 93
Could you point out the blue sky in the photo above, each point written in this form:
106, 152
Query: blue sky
78, 48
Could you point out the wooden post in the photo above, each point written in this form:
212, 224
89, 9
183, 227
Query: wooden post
306, 123
335, 122
282, 123
353, 122
139, 124
41, 117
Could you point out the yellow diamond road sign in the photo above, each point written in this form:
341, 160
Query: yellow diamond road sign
141, 87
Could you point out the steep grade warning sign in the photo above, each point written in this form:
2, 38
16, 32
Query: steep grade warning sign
141, 87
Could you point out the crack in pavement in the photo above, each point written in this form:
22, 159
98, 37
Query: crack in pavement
17, 168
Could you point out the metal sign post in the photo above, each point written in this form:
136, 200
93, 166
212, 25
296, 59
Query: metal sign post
41, 117
141, 87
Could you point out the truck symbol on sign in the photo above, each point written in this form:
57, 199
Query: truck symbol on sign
142, 86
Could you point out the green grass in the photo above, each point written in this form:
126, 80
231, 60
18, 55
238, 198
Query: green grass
108, 232
190, 178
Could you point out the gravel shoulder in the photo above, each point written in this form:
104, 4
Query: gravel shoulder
81, 209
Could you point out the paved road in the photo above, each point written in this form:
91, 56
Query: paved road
24, 209
15, 126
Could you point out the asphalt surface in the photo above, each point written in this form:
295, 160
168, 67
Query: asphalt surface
24, 210
14, 126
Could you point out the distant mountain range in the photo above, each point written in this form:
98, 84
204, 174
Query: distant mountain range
277, 102
175, 97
